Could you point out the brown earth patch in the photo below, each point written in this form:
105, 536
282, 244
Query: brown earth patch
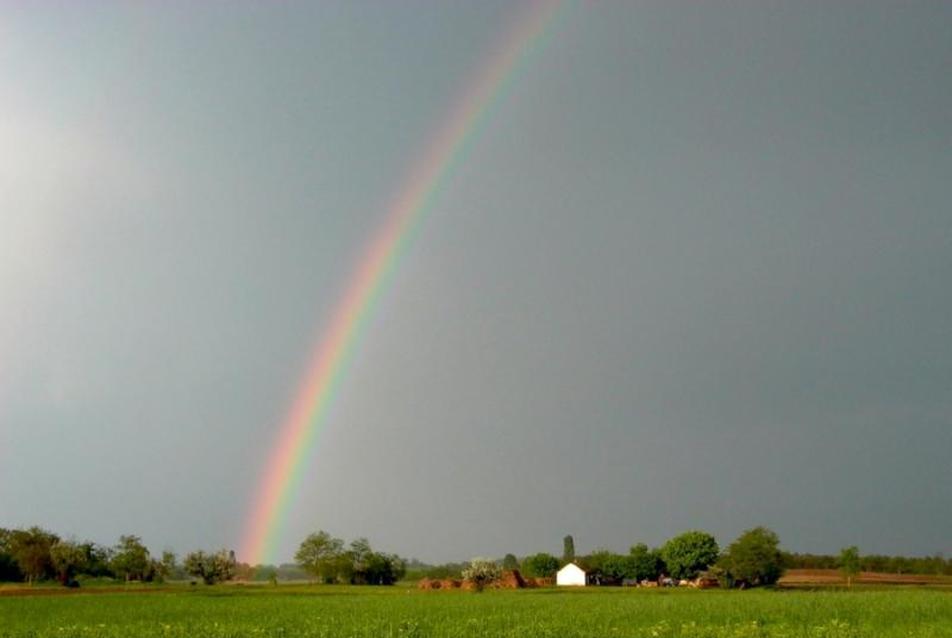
810, 577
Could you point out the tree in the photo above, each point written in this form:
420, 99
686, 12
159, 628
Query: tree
8, 564
568, 549
510, 562
31, 551
607, 567
67, 558
211, 568
383, 569
130, 559
166, 567
359, 553
753, 559
849, 563
482, 572
98, 560
689, 553
644, 563
320, 555
540, 565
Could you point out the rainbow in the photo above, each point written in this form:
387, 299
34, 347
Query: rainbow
298, 435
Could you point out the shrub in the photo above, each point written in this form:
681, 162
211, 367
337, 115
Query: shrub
482, 572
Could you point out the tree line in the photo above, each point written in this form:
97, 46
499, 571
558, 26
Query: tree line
754, 558
936, 564
34, 554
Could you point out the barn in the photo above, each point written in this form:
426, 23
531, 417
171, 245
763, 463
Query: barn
571, 576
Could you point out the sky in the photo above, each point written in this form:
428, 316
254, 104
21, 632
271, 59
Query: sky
694, 272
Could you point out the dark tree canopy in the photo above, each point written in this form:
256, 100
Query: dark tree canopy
644, 563
753, 559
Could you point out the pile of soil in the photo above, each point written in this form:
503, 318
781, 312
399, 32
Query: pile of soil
510, 579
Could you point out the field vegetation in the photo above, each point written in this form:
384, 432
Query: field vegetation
311, 611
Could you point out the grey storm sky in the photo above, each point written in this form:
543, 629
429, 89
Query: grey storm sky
696, 272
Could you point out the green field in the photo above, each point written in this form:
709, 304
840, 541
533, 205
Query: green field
233, 611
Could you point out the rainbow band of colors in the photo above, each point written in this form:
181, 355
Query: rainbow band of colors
297, 437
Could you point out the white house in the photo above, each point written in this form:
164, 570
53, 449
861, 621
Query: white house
571, 575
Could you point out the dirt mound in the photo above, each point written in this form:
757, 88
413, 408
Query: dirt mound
510, 579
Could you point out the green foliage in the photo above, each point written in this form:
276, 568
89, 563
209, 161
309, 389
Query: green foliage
605, 567
383, 569
98, 559
320, 555
644, 563
753, 559
510, 562
30, 549
130, 559
325, 612
568, 549
8, 564
212, 567
688, 554
68, 559
360, 552
849, 563
324, 557
166, 567
936, 564
540, 565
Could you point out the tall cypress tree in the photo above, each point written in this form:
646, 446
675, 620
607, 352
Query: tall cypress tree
568, 549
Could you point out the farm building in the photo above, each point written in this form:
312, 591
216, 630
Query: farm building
571, 575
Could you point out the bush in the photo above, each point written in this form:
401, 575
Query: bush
211, 568
482, 572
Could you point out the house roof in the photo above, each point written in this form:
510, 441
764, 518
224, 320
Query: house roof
572, 565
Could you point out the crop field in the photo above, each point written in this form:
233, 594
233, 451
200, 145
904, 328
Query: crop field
287, 611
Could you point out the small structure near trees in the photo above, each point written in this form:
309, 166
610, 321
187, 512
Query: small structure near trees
570, 576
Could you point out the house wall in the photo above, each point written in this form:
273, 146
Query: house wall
570, 575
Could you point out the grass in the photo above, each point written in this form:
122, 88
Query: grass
232, 612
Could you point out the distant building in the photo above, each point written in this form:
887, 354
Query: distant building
570, 576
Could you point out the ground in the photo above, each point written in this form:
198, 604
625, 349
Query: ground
238, 611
